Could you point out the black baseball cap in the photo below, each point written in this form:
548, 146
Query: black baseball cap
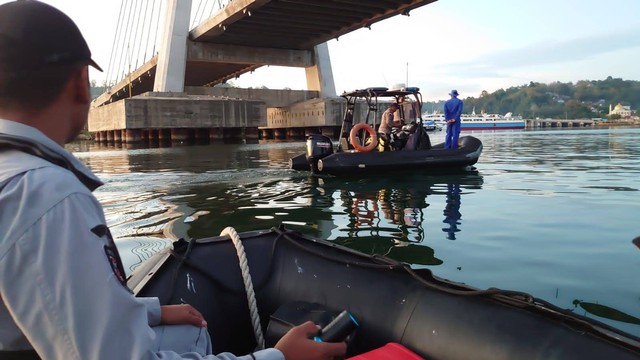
34, 35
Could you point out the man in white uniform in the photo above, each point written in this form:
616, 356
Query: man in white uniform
62, 285
390, 119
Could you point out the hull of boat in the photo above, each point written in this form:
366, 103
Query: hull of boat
436, 319
360, 163
497, 125
483, 124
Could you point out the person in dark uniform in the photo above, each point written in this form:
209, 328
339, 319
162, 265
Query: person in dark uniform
452, 113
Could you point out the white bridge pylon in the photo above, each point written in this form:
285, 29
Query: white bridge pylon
172, 55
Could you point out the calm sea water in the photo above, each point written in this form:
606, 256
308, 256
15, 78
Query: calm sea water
549, 212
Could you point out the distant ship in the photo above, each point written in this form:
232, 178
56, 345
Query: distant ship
481, 122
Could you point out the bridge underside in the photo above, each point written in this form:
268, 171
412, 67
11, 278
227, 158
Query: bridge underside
295, 24
248, 34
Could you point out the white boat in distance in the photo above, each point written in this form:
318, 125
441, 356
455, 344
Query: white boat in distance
481, 122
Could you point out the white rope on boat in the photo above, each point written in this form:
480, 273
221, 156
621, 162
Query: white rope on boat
248, 284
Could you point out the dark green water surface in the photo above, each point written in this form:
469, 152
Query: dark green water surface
552, 213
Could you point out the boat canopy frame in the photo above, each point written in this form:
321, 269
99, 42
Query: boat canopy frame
371, 96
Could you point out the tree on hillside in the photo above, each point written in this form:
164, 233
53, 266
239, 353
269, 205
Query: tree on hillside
585, 99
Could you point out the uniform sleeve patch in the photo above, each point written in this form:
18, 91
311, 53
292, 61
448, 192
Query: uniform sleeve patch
111, 252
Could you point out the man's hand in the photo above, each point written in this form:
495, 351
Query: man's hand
451, 121
181, 314
298, 345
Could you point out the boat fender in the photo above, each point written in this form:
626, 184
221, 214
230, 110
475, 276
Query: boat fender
355, 141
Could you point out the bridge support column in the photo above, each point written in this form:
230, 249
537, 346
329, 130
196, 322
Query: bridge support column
330, 131
117, 135
215, 134
266, 134
320, 76
280, 134
110, 136
201, 135
172, 57
132, 135
251, 133
179, 135
164, 135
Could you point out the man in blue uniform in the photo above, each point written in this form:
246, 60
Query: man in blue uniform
452, 113
63, 293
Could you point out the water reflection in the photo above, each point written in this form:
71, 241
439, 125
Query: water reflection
605, 311
452, 211
389, 215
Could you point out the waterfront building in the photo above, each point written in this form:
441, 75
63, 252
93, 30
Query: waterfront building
623, 111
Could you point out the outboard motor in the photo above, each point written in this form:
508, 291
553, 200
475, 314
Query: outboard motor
318, 147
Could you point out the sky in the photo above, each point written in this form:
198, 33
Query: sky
468, 45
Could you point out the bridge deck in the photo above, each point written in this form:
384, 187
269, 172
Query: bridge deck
292, 27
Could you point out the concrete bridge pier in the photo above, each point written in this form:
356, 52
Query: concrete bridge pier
266, 134
132, 135
215, 134
201, 135
150, 135
251, 133
295, 133
279, 134
331, 132
180, 135
164, 135
310, 131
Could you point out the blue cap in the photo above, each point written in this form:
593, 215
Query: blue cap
454, 93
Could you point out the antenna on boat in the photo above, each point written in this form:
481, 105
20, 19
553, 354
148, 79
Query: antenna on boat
407, 76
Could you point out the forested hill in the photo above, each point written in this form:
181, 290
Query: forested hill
584, 99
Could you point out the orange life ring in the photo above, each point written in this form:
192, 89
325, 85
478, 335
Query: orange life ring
353, 137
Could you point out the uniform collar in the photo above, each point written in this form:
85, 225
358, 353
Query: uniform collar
18, 136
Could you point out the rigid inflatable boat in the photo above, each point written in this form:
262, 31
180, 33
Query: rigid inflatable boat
359, 151
294, 278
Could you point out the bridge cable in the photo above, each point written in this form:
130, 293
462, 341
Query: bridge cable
141, 26
157, 27
120, 46
113, 48
134, 38
123, 60
122, 34
193, 21
153, 10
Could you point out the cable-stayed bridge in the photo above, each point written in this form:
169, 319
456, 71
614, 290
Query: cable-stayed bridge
171, 88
